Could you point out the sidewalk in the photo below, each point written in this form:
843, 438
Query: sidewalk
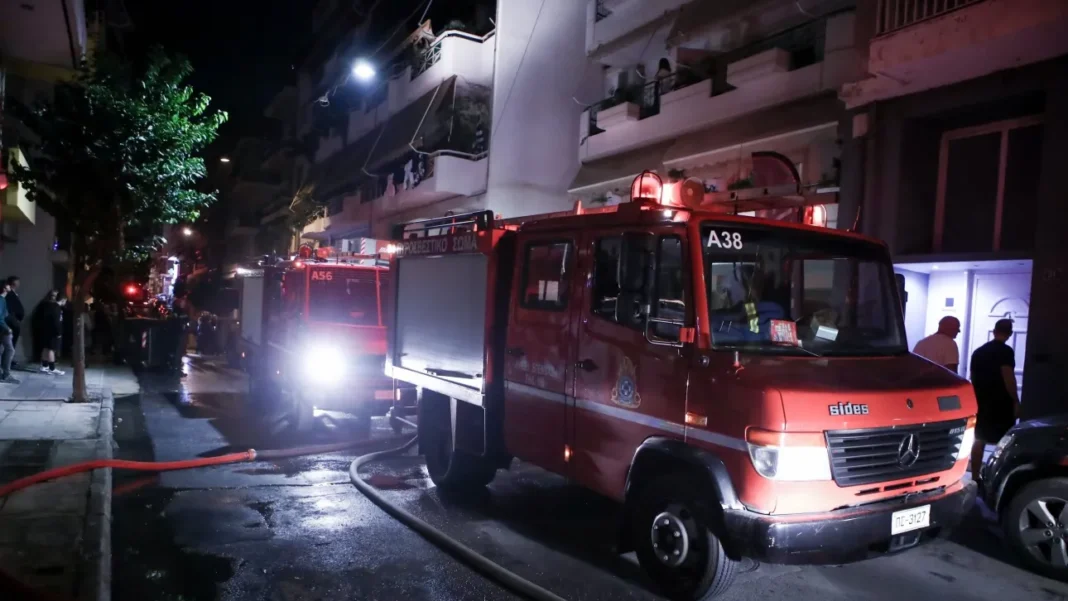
55, 536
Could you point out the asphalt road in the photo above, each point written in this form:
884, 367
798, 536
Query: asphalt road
298, 530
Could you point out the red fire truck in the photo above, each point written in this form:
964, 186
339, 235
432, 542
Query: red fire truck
312, 336
742, 386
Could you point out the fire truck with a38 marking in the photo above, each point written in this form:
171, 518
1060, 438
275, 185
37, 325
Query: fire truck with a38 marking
742, 387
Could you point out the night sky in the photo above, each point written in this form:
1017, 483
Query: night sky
242, 50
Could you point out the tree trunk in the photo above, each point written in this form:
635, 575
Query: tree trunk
81, 293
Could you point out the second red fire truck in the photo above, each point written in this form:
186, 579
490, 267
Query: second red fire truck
312, 335
742, 386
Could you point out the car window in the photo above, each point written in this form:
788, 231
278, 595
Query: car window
545, 275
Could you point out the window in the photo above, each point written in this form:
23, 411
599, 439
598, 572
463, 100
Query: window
670, 299
545, 273
834, 294
343, 295
606, 277
988, 187
293, 292
619, 279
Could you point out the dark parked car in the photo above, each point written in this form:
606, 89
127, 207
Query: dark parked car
1025, 481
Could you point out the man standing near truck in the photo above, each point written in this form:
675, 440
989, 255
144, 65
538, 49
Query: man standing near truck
15, 313
941, 347
994, 379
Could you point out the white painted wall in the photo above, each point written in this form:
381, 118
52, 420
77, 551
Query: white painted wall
31, 259
943, 288
916, 285
540, 69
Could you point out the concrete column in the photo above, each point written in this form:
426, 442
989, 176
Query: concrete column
1046, 373
851, 173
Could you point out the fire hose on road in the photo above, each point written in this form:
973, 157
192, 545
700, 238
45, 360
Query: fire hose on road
466, 555
8, 583
473, 559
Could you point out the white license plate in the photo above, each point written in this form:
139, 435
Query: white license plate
908, 520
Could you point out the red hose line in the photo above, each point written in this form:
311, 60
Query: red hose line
143, 466
8, 583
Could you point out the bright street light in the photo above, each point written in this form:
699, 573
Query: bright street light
224, 160
363, 71
187, 231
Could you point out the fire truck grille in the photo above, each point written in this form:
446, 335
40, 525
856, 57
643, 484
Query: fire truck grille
882, 454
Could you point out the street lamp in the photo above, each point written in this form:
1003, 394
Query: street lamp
224, 160
187, 231
363, 71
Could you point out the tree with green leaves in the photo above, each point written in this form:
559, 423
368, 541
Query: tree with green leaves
116, 157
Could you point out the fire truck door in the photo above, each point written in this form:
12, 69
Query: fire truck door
537, 361
626, 387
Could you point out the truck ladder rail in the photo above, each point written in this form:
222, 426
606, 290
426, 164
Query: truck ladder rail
480, 220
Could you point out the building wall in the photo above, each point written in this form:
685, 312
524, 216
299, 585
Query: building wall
540, 69
897, 195
30, 258
916, 285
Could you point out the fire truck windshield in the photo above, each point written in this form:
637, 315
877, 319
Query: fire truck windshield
343, 296
785, 291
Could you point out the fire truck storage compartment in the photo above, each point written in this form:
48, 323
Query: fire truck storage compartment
440, 325
252, 308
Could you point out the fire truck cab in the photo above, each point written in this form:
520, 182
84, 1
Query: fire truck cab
313, 336
742, 386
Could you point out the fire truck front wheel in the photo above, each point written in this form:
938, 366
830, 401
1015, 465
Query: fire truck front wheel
674, 543
450, 469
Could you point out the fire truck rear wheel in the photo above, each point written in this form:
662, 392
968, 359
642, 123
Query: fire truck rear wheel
674, 542
452, 470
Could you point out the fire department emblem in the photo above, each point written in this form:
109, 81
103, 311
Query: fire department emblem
625, 392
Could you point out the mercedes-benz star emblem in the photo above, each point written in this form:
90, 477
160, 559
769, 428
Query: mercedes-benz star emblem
908, 451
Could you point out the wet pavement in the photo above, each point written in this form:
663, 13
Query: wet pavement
298, 530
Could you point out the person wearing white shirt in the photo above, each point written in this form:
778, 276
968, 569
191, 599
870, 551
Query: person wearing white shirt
941, 347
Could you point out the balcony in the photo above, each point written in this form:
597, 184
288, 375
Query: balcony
924, 44
16, 206
453, 53
426, 179
609, 21
815, 58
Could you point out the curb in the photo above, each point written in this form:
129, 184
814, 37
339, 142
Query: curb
96, 546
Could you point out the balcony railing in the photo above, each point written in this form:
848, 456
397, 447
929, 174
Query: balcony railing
426, 59
804, 43
892, 15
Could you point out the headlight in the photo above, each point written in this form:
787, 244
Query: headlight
323, 364
788, 456
966, 443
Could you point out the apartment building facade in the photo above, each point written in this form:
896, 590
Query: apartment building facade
471, 115
41, 43
954, 152
691, 89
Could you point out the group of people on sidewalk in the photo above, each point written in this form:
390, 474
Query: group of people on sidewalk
993, 370
46, 323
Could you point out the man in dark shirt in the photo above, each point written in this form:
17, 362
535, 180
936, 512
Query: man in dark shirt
994, 378
15, 313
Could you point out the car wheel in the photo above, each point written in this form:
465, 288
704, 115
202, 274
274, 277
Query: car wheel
452, 470
672, 537
1036, 524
